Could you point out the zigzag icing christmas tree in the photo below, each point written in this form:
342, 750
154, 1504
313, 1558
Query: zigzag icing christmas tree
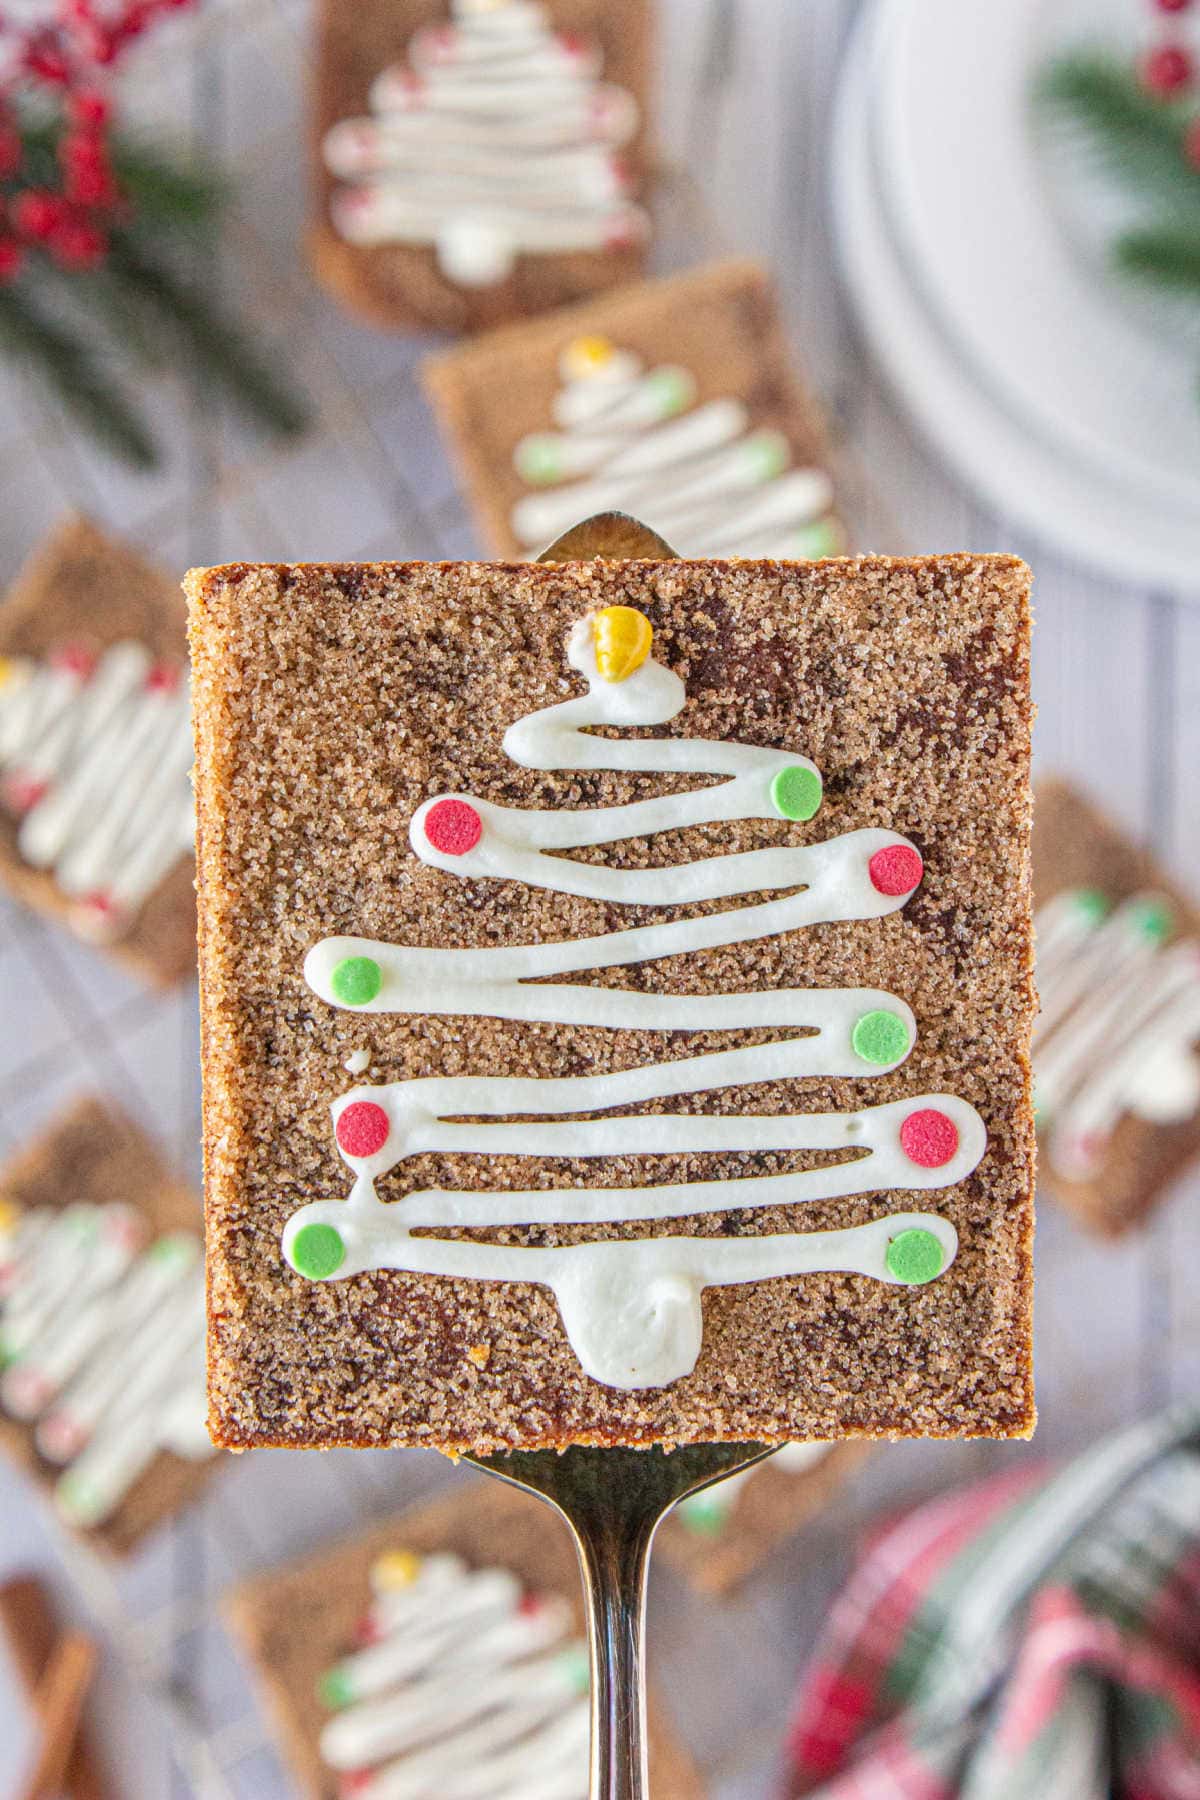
497, 138
631, 1305
95, 761
634, 437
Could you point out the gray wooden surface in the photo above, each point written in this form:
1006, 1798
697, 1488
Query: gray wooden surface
747, 86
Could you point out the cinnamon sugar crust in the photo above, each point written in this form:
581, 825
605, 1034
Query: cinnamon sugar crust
329, 702
1075, 845
400, 286
721, 322
81, 586
294, 1623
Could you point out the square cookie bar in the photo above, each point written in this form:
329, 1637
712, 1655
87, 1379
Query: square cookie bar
102, 1327
444, 1643
476, 160
675, 400
678, 1108
95, 750
1116, 1054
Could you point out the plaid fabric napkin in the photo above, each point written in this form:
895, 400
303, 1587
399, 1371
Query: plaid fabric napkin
1033, 1638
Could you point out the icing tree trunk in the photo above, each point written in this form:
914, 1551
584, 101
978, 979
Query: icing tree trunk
631, 1307
635, 438
496, 139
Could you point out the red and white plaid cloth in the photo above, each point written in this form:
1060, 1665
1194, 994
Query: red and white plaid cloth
1032, 1638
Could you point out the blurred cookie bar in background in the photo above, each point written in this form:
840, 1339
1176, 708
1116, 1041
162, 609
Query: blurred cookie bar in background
96, 822
674, 400
102, 1390
477, 160
442, 1652
720, 1536
1116, 1050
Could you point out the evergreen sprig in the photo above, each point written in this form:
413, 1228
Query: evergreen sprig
68, 324
66, 362
1144, 142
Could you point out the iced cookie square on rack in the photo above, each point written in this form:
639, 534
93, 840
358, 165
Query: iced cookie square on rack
676, 400
616, 992
102, 1327
96, 824
476, 160
441, 1652
1116, 1050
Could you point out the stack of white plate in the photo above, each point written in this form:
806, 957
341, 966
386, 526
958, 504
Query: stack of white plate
1063, 400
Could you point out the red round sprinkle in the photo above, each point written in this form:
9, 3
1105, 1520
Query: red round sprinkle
162, 678
73, 659
453, 827
929, 1138
362, 1128
896, 870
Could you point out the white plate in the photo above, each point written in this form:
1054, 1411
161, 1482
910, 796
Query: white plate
1051, 401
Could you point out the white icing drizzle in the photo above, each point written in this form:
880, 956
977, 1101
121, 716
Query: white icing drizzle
634, 438
95, 757
1119, 1027
708, 1512
497, 140
631, 1308
103, 1348
467, 1688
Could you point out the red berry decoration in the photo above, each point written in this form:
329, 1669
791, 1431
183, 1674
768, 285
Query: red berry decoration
1166, 69
12, 151
928, 1138
77, 245
1172, 6
11, 257
362, 1128
37, 213
87, 107
453, 827
895, 870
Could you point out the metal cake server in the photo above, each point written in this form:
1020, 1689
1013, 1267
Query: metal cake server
612, 1500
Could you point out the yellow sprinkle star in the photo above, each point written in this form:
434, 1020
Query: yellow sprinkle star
587, 356
396, 1569
623, 637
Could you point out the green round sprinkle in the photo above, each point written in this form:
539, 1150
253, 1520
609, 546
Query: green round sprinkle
769, 451
914, 1257
823, 537
705, 1513
317, 1251
78, 1500
1153, 918
576, 1666
356, 980
796, 792
1091, 904
334, 1688
538, 460
880, 1037
174, 1250
672, 388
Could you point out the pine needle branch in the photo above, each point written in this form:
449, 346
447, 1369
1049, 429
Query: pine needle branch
74, 373
1138, 137
223, 351
1162, 254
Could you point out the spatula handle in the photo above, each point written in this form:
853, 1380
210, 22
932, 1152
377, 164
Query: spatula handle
614, 1554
